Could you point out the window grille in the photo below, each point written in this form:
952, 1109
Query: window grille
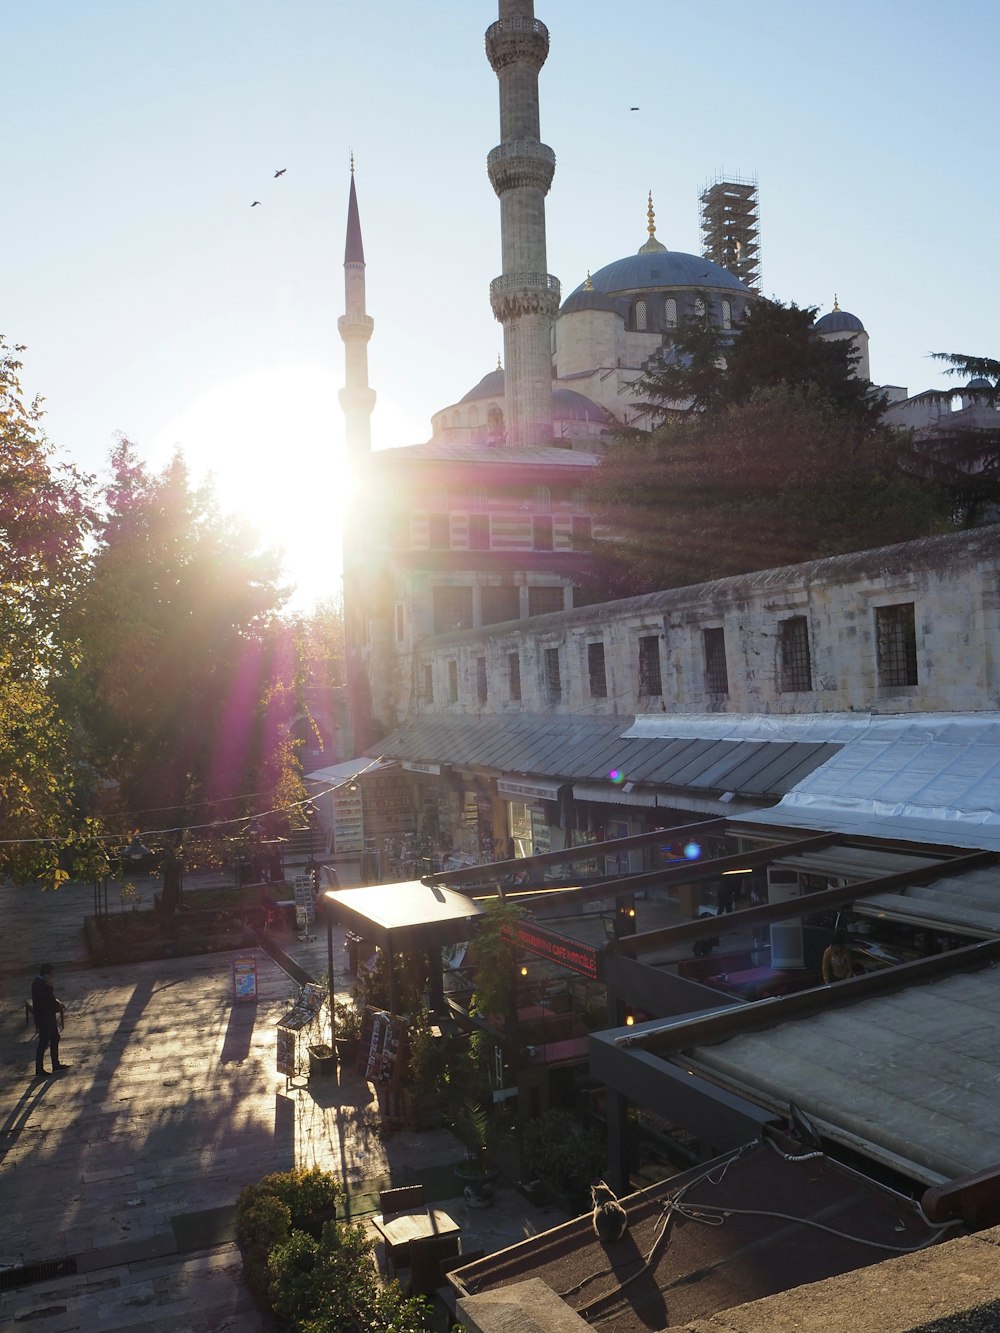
650, 681
514, 675
597, 671
553, 676
438, 532
481, 681
583, 530
670, 312
453, 682
727, 314
716, 675
479, 532
500, 603
452, 608
542, 601
640, 316
896, 644
793, 640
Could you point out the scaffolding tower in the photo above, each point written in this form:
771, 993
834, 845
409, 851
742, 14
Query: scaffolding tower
730, 227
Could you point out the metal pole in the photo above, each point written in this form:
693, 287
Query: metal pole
329, 970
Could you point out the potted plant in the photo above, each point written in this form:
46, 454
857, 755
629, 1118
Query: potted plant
482, 1135
423, 1097
347, 1023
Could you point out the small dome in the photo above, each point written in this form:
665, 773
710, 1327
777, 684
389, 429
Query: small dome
585, 298
567, 404
839, 321
490, 386
977, 384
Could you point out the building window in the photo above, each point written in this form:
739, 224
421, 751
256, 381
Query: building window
452, 608
453, 682
699, 307
478, 499
400, 626
553, 676
896, 644
650, 681
543, 499
479, 532
494, 424
514, 675
428, 684
639, 314
583, 531
543, 601
716, 676
481, 683
499, 603
541, 532
727, 314
670, 312
793, 641
438, 532
597, 671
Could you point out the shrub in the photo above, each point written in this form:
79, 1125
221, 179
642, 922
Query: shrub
311, 1196
262, 1222
558, 1149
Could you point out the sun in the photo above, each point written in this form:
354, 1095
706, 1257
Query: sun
272, 443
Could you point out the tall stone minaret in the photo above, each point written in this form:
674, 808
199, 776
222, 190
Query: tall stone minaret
357, 400
525, 298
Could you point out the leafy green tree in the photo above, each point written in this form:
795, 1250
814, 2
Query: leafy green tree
184, 677
45, 516
963, 459
782, 478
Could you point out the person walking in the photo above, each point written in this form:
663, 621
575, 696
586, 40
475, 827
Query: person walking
46, 1010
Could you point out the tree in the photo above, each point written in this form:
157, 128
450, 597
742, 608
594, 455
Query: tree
708, 369
961, 454
45, 517
782, 478
184, 674
972, 367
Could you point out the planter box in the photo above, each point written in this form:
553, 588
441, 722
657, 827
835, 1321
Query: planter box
322, 1062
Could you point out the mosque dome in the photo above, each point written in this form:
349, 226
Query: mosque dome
977, 384
567, 404
654, 267
839, 321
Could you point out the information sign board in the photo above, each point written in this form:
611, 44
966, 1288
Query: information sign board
245, 978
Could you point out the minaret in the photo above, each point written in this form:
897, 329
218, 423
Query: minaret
357, 400
525, 298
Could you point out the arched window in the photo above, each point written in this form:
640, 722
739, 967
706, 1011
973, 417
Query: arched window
543, 499
670, 312
494, 422
699, 307
727, 314
473, 416
640, 316
477, 499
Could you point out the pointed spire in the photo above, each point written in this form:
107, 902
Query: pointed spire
499, 364
652, 243
588, 286
354, 251
836, 303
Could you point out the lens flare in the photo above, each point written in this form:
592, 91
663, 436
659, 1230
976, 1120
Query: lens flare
616, 776
692, 851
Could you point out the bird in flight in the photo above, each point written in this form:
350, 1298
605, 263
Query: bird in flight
280, 173
255, 204
633, 108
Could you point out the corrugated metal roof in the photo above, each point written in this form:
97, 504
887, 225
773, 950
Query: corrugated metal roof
913, 1073
925, 778
966, 904
570, 748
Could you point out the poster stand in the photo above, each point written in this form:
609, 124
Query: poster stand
302, 1015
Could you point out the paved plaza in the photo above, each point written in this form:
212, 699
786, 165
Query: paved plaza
118, 1177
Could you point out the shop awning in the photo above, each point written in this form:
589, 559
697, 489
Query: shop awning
407, 915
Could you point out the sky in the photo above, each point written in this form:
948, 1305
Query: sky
154, 301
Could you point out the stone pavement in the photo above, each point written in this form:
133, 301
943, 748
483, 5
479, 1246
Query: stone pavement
118, 1177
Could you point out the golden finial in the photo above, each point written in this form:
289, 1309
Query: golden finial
651, 224
588, 286
651, 244
352, 161
499, 365
836, 303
